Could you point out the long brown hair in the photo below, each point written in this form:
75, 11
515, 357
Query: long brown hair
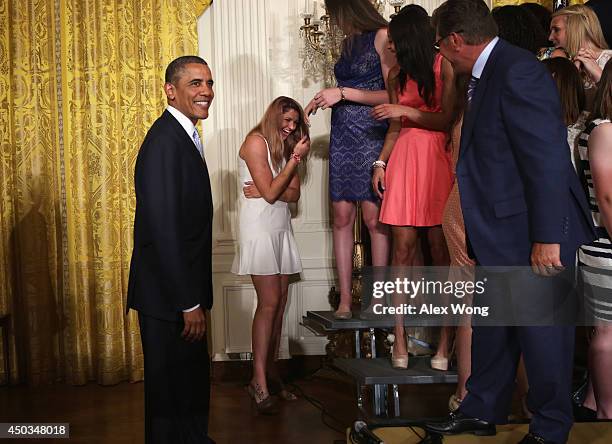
270, 128
602, 109
570, 86
414, 39
355, 16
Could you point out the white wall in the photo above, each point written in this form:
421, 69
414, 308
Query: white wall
252, 47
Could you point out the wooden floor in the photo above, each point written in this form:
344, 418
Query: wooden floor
585, 433
114, 414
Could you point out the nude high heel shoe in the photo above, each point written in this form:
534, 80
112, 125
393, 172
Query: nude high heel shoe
398, 361
454, 402
439, 363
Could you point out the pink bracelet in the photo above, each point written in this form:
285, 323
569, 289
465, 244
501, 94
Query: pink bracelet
296, 157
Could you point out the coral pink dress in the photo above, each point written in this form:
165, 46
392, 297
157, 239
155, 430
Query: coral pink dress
419, 173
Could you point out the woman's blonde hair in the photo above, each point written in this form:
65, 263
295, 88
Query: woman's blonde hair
582, 25
270, 127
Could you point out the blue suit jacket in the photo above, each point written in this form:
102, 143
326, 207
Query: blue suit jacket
516, 180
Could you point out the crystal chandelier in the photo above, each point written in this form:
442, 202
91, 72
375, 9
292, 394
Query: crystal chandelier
321, 44
322, 40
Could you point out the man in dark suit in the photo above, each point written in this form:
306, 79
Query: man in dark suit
603, 9
171, 274
523, 206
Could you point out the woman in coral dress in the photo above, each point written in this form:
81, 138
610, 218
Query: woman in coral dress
413, 174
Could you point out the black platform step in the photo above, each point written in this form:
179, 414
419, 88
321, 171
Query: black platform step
323, 321
379, 371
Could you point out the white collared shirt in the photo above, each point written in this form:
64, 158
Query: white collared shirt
481, 61
185, 122
189, 128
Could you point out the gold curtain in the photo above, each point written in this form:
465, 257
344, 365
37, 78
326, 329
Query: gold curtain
80, 84
547, 3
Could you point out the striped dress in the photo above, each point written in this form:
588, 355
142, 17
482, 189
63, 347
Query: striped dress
595, 259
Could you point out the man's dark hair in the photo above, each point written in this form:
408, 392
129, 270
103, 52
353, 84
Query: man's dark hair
471, 17
177, 65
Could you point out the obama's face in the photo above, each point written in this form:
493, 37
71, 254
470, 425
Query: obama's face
192, 91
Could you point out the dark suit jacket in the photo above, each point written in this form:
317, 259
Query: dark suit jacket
603, 9
516, 180
171, 263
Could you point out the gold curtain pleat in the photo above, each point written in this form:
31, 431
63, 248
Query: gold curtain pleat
547, 3
80, 83
31, 235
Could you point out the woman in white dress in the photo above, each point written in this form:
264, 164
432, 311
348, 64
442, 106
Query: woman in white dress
268, 164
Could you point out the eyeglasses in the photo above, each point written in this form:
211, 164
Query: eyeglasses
437, 44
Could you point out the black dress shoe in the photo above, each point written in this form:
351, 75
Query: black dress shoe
456, 423
583, 414
533, 439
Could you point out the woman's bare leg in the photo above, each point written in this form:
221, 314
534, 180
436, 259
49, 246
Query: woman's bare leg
277, 328
344, 218
600, 365
379, 233
268, 290
440, 258
405, 246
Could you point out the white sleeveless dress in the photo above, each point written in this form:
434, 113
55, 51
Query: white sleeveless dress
266, 242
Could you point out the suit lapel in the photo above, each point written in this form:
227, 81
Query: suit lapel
471, 115
188, 143
192, 150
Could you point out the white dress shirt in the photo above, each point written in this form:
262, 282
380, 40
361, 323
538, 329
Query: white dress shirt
481, 61
189, 128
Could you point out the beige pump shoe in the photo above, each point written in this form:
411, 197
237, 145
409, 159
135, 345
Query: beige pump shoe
439, 363
399, 361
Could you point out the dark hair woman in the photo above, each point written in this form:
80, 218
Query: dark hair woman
414, 167
542, 15
520, 27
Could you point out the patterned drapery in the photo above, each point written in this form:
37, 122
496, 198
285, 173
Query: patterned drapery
80, 83
547, 3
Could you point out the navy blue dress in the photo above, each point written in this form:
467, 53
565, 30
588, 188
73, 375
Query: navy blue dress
356, 138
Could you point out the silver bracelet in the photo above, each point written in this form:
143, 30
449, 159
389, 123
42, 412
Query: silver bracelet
379, 164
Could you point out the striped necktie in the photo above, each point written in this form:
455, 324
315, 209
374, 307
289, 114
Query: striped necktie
198, 142
471, 88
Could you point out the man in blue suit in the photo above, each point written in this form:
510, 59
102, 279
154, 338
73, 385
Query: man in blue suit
523, 205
